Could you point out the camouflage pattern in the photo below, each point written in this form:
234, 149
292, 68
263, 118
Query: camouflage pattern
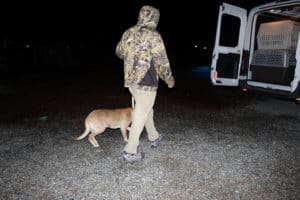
144, 54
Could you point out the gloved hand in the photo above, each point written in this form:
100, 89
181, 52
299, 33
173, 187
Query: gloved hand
171, 85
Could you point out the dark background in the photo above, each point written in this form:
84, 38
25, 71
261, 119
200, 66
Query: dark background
49, 34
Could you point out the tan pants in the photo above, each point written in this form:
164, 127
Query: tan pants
142, 117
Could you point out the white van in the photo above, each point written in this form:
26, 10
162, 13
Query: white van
259, 51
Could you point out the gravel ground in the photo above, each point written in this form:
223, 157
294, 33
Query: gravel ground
218, 143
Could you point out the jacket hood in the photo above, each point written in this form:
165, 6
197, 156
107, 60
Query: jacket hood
148, 17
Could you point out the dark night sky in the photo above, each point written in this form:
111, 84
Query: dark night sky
104, 21
100, 24
87, 21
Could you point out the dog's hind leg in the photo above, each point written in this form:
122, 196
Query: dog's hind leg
92, 138
124, 134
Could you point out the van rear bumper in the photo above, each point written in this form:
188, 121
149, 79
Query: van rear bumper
264, 91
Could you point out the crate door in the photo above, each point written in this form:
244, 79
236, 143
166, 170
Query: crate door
227, 54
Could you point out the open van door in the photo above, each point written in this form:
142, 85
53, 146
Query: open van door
228, 49
297, 69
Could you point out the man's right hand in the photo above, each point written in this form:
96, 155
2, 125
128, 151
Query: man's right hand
171, 85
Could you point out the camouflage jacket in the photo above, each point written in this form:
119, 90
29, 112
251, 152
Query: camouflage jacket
143, 52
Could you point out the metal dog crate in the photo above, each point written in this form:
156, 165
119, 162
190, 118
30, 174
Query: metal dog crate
273, 66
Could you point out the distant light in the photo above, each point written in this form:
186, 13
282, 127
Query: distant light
195, 46
204, 48
27, 44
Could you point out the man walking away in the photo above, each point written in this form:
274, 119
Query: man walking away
145, 61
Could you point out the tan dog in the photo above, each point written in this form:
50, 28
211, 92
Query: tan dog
98, 120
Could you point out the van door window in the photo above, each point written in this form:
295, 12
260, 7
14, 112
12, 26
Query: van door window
230, 37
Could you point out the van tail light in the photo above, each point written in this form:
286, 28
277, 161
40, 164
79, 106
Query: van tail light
245, 62
215, 74
244, 89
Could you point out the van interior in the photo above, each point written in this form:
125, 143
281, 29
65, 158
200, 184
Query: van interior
274, 43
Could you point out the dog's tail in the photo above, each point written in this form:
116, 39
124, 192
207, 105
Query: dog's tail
83, 135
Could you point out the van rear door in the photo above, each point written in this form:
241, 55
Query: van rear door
296, 80
228, 49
